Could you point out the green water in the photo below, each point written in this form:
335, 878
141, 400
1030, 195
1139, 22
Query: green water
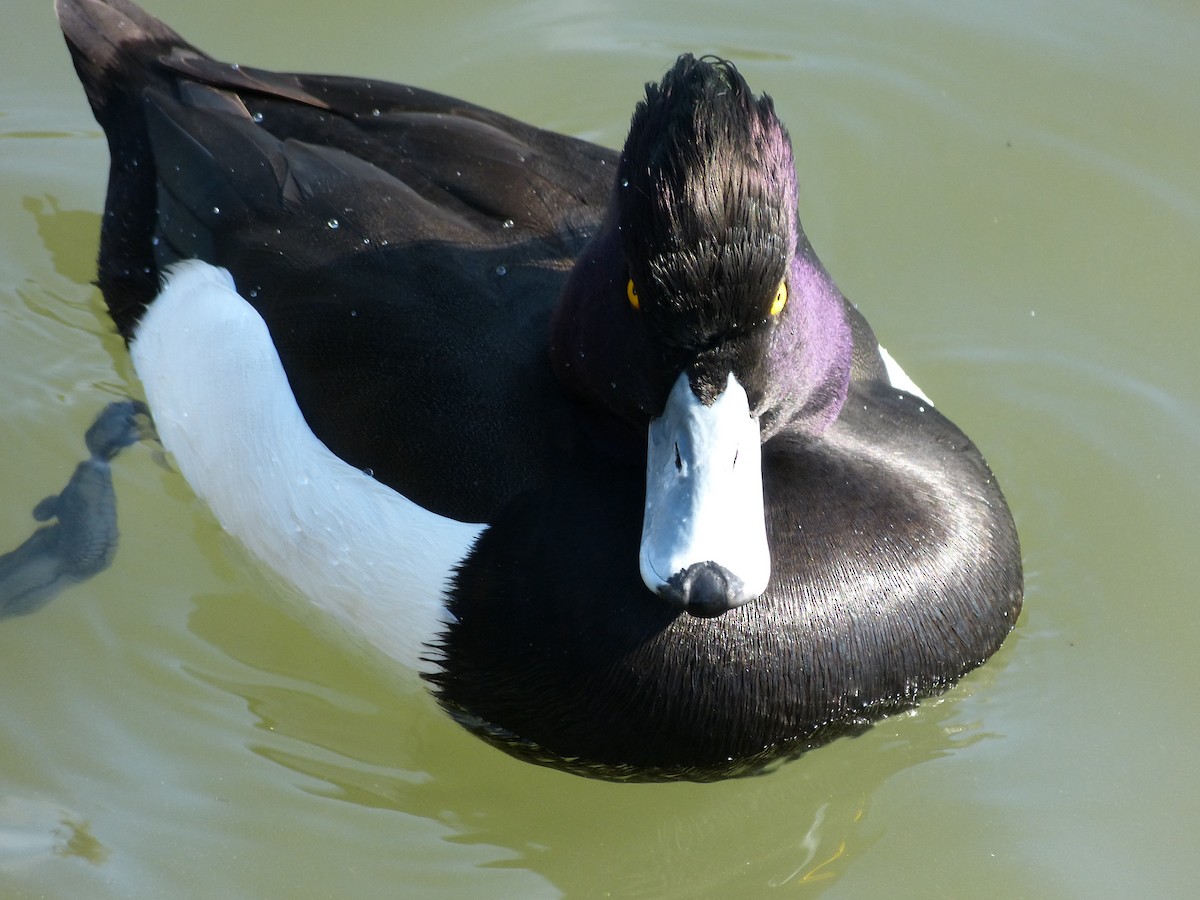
1009, 190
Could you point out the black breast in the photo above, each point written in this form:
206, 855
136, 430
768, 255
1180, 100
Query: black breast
890, 546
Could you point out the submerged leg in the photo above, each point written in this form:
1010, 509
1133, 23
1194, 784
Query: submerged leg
83, 540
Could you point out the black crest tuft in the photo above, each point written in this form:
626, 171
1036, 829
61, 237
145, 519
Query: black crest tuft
707, 200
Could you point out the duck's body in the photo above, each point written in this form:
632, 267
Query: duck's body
485, 317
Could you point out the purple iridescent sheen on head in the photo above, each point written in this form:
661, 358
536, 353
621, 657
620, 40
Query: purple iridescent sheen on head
704, 225
811, 349
810, 352
709, 226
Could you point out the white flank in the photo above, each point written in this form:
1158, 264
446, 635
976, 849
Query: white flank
363, 553
898, 378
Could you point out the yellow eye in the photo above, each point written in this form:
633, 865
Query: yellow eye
632, 294
777, 304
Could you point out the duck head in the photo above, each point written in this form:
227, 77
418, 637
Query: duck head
699, 319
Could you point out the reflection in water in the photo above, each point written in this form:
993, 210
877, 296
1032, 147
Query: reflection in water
355, 739
33, 832
812, 869
83, 541
63, 232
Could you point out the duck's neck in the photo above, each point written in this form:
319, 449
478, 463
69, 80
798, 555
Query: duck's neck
810, 353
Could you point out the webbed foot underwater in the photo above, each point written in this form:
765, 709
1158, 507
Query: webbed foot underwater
588, 439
